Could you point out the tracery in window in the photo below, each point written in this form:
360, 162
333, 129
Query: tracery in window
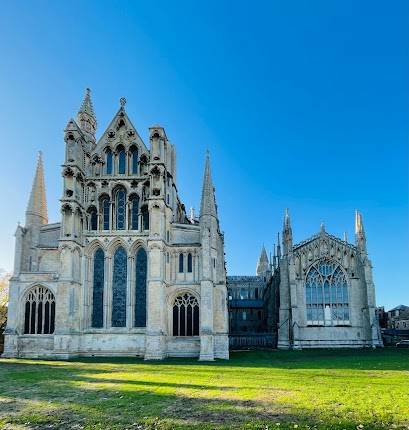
39, 316
98, 289
119, 288
141, 263
186, 316
326, 290
120, 200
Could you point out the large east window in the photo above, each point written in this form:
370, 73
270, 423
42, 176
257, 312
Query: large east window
326, 291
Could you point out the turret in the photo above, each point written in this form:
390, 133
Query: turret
287, 234
86, 117
262, 264
360, 238
36, 213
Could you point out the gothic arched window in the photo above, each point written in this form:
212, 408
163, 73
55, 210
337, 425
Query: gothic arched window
141, 265
134, 212
39, 316
326, 291
186, 316
93, 218
134, 160
98, 289
120, 201
108, 162
181, 263
105, 212
189, 263
121, 161
119, 288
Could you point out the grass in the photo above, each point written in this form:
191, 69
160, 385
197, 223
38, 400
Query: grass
322, 389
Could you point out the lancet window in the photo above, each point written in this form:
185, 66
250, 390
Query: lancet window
119, 288
98, 289
141, 263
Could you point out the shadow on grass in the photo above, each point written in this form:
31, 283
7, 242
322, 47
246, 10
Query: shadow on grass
90, 394
65, 405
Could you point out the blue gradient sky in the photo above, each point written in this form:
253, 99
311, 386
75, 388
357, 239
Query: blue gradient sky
302, 104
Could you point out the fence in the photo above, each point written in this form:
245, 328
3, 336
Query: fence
252, 341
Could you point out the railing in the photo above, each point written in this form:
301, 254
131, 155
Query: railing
252, 341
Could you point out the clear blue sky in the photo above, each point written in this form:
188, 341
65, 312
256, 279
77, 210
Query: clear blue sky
302, 104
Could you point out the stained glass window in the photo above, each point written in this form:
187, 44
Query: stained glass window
108, 161
140, 287
180, 263
326, 293
186, 316
121, 162
120, 209
39, 316
189, 263
134, 212
119, 288
98, 289
134, 161
105, 212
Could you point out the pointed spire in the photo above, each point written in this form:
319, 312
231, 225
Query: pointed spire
287, 233
345, 237
360, 238
278, 246
322, 227
36, 213
208, 203
262, 264
287, 221
86, 115
86, 105
274, 257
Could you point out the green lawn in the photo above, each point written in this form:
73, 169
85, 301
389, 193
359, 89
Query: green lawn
325, 389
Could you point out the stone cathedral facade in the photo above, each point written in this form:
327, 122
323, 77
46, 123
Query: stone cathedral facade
126, 271
326, 291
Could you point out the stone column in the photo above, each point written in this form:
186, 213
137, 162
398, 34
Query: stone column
155, 340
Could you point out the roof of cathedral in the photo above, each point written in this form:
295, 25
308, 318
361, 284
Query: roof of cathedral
325, 234
37, 204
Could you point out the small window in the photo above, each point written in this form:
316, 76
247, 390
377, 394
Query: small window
244, 316
93, 219
181, 263
121, 162
108, 162
189, 263
105, 213
134, 161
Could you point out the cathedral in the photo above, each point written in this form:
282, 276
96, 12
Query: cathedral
126, 272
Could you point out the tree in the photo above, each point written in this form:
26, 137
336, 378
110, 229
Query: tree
4, 296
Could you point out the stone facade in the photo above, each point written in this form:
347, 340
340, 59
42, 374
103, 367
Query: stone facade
327, 294
125, 272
